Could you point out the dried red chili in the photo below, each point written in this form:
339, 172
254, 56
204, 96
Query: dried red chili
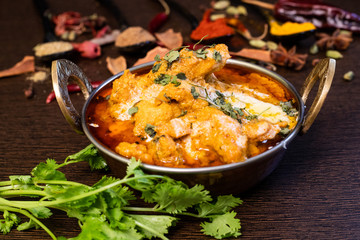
320, 14
71, 88
211, 29
159, 18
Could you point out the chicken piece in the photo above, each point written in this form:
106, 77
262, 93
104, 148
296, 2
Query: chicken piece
175, 128
164, 151
260, 130
216, 134
153, 114
136, 150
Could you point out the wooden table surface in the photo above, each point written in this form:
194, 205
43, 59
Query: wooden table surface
313, 194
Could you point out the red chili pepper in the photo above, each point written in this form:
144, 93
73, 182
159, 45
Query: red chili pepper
160, 18
71, 88
320, 14
157, 21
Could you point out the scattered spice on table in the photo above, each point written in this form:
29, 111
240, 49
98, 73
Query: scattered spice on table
338, 40
133, 36
38, 76
211, 29
170, 39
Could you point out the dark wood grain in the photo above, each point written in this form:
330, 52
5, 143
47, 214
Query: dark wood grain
313, 194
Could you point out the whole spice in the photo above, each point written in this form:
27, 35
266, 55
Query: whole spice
334, 54
288, 58
338, 40
159, 18
322, 15
349, 76
211, 29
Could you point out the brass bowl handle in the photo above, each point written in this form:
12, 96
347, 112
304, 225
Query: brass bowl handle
62, 72
324, 72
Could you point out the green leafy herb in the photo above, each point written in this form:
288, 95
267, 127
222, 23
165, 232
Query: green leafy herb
172, 56
201, 53
288, 108
284, 131
133, 110
165, 79
156, 67
183, 113
219, 230
194, 92
157, 58
103, 209
217, 56
150, 130
181, 76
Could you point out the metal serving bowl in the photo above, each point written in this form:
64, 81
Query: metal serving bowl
228, 178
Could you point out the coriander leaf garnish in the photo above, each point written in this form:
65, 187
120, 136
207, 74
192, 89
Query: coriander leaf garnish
194, 92
175, 81
284, 131
133, 110
181, 76
157, 58
172, 56
150, 130
201, 53
288, 108
156, 67
165, 79
183, 113
217, 56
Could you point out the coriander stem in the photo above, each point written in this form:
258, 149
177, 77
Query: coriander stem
59, 182
27, 214
32, 204
5, 188
5, 183
22, 192
142, 209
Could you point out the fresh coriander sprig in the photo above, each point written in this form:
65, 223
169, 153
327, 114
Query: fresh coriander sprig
104, 210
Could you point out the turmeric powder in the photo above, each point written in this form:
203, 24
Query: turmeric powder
289, 28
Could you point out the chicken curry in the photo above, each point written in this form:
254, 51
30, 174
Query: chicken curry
191, 111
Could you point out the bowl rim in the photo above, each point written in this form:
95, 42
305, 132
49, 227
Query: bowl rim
202, 170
